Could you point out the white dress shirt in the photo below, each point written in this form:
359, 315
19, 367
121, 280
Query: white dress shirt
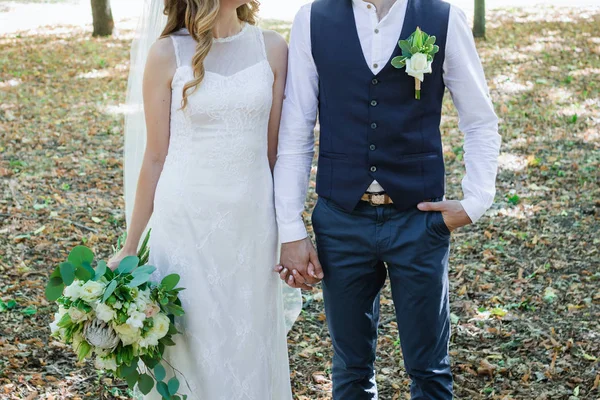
463, 76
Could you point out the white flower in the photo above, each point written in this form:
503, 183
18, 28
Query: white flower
77, 315
118, 305
92, 290
151, 310
136, 319
161, 326
106, 363
418, 65
54, 328
105, 313
127, 333
73, 291
150, 340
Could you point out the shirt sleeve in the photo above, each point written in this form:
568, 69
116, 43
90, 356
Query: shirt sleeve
296, 133
465, 79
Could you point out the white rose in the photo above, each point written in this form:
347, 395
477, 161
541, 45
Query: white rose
418, 65
150, 340
105, 313
106, 363
161, 326
77, 315
136, 319
73, 291
91, 290
152, 310
127, 333
55, 330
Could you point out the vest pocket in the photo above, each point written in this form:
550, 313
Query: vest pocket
334, 156
418, 156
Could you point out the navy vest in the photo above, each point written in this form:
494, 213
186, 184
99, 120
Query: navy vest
372, 127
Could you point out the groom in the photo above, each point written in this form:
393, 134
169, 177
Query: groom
381, 180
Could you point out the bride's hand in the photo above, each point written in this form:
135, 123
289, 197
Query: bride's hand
114, 262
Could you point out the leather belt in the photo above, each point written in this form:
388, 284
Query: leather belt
377, 199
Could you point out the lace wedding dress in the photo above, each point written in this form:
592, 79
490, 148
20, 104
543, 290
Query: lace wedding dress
214, 224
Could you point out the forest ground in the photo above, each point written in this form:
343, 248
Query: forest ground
525, 280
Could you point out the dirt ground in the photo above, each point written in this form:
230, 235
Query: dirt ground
524, 281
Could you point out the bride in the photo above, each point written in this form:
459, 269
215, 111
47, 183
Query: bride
212, 96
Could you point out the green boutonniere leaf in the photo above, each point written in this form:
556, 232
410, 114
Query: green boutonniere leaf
399, 62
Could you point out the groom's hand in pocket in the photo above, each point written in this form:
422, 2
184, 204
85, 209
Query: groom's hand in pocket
452, 211
299, 264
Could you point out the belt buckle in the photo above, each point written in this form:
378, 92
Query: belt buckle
376, 199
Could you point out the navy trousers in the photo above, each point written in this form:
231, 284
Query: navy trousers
357, 251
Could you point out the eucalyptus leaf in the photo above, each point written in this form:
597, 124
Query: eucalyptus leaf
173, 385
128, 264
67, 272
82, 273
132, 379
109, 290
159, 372
100, 270
170, 281
144, 269
414, 50
430, 40
163, 389
53, 292
145, 383
126, 370
80, 254
55, 273
436, 48
399, 62
138, 280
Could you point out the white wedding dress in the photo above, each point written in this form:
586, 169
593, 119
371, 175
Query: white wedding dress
214, 224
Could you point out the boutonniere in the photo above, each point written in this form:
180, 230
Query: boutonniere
417, 55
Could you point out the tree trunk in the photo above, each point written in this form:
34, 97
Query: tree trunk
479, 20
103, 19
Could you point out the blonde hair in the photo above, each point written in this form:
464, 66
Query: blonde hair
199, 17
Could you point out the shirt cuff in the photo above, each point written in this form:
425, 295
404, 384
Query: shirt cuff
473, 208
292, 232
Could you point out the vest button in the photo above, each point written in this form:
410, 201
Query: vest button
373, 125
373, 103
373, 169
372, 147
375, 81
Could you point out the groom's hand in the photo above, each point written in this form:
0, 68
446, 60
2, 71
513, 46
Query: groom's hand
452, 211
299, 264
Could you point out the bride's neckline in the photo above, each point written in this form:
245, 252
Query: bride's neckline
225, 39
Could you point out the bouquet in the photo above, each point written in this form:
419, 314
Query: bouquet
119, 317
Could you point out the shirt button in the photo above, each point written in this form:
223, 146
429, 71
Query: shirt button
374, 81
375, 65
373, 169
373, 125
376, 30
369, 6
373, 103
372, 147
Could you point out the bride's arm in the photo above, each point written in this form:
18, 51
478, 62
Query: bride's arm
158, 75
277, 53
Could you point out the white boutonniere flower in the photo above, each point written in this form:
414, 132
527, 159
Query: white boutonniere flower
417, 55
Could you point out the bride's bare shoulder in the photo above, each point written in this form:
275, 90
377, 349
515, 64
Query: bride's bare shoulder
277, 51
162, 61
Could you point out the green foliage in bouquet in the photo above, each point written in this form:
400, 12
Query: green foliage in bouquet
120, 316
417, 42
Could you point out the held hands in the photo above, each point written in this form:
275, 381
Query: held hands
299, 265
452, 211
